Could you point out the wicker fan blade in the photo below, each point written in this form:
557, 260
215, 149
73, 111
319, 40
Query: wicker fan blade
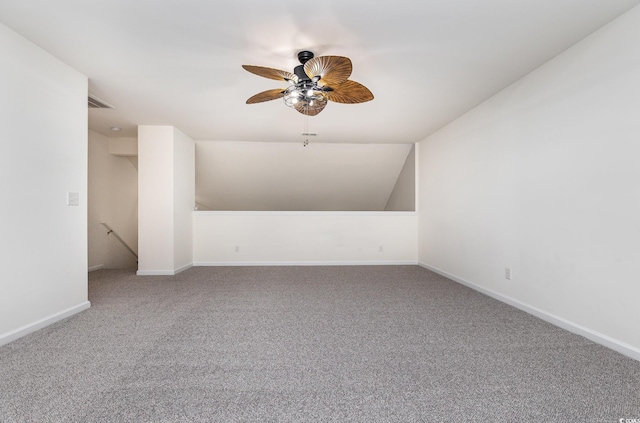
349, 92
307, 111
266, 96
270, 73
333, 70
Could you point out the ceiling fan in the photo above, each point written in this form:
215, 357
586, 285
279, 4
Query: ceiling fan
312, 83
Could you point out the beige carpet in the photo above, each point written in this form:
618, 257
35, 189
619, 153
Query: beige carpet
308, 344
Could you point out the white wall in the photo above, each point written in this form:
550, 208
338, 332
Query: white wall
184, 199
300, 238
166, 198
113, 199
43, 155
155, 199
125, 147
543, 179
403, 196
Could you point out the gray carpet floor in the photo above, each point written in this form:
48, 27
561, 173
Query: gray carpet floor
307, 344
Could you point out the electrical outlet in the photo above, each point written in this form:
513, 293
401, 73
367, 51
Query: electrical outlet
237, 249
507, 273
380, 249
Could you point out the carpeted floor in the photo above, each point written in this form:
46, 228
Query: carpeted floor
308, 344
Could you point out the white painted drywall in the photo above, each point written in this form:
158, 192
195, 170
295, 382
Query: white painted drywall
543, 178
155, 199
123, 147
165, 199
184, 198
403, 196
43, 156
113, 199
267, 238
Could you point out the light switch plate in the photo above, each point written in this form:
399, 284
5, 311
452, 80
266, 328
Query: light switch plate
73, 199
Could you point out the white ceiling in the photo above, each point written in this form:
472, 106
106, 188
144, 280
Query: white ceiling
172, 62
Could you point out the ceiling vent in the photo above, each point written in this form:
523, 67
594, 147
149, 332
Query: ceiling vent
96, 103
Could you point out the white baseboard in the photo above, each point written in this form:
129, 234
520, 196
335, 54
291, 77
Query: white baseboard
183, 268
155, 272
164, 272
306, 263
98, 267
5, 338
597, 337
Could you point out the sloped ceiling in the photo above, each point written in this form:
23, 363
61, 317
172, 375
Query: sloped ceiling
292, 177
179, 63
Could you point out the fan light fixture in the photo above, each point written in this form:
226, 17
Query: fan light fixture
304, 95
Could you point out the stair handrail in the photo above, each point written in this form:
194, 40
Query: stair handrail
115, 234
